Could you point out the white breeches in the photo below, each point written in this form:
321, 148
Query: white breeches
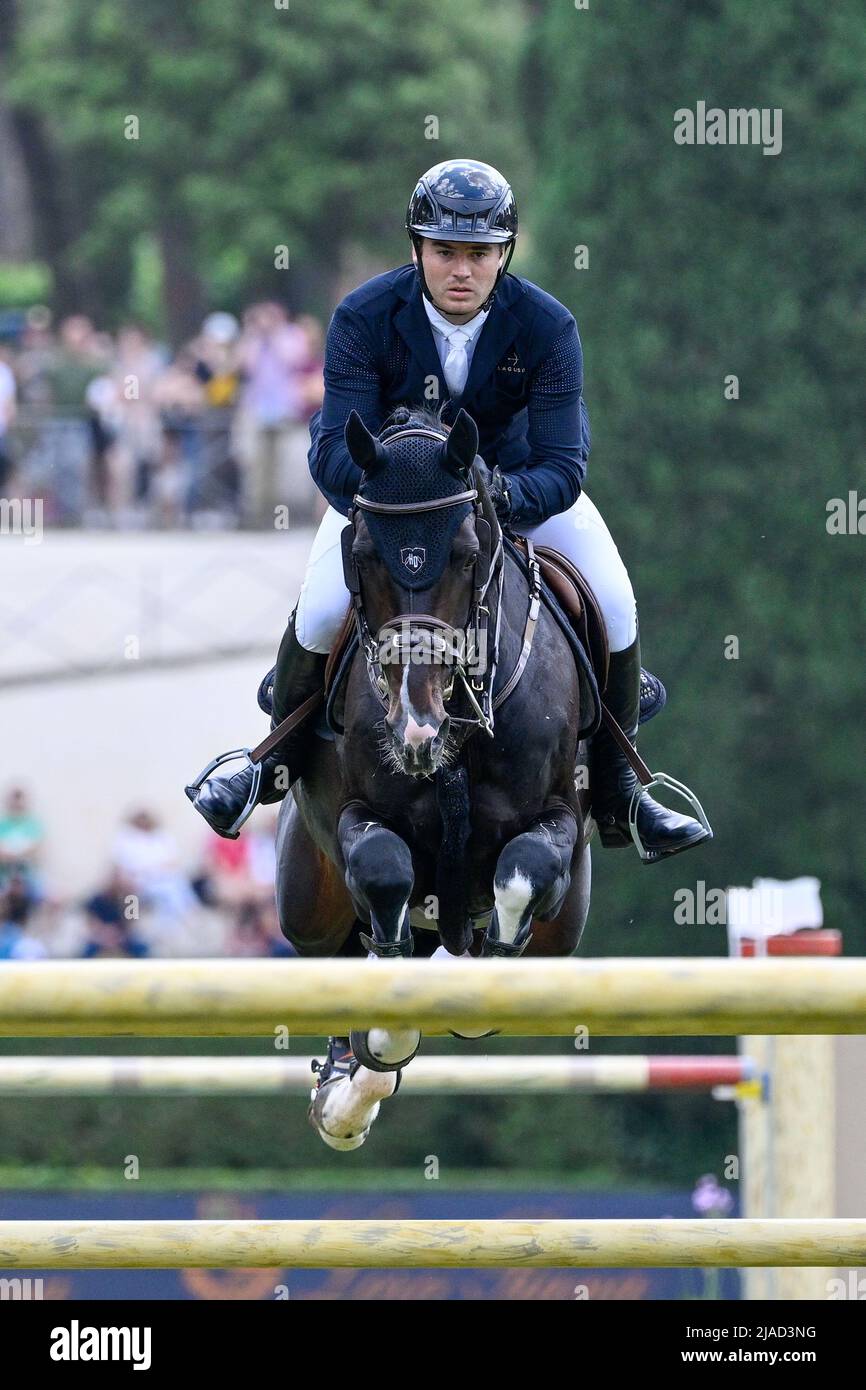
579, 533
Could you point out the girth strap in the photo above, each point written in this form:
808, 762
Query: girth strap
529, 630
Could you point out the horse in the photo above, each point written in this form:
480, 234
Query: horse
440, 808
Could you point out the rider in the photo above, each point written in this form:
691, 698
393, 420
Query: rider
454, 327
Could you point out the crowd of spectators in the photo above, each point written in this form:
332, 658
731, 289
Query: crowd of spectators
113, 430
147, 902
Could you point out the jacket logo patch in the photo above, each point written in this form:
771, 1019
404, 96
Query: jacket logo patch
413, 557
511, 363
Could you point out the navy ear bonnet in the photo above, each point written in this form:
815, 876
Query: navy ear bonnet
415, 546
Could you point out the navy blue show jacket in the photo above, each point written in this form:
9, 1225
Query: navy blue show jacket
524, 389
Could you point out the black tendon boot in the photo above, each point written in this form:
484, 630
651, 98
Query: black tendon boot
612, 780
225, 799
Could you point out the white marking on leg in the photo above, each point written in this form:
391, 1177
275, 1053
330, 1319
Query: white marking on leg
512, 900
392, 1046
374, 955
350, 1107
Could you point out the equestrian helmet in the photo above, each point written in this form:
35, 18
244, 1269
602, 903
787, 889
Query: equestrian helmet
463, 200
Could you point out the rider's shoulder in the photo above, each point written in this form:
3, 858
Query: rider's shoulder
534, 305
380, 292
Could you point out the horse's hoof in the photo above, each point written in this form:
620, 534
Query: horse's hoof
382, 1050
342, 1142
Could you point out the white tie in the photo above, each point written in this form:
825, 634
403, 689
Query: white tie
456, 364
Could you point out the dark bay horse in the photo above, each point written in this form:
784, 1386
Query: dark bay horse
446, 800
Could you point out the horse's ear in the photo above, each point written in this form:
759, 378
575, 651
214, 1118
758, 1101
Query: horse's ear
364, 448
462, 445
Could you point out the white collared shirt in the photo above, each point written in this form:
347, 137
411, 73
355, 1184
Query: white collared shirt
443, 328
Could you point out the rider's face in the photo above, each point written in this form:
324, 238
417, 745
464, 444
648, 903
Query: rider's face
459, 275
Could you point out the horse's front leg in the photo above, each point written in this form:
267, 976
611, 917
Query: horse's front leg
380, 878
532, 877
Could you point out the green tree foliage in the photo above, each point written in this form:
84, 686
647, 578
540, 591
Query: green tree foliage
704, 262
258, 127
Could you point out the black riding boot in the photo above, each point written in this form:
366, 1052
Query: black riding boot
612, 780
221, 800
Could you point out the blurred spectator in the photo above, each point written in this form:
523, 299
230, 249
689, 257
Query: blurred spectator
138, 367
116, 901
312, 376
35, 357
8, 401
112, 939
215, 485
270, 920
109, 916
77, 359
16, 940
261, 834
313, 388
148, 858
146, 904
225, 876
173, 482
67, 443
21, 836
274, 357
116, 431
104, 420
242, 870
255, 932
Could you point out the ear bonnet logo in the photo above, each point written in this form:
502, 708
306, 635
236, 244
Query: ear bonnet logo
413, 557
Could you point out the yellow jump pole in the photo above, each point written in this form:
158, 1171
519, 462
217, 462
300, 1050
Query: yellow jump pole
224, 998
428, 1244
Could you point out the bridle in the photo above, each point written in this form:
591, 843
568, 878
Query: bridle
463, 648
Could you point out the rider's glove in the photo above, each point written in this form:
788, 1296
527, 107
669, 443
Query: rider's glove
498, 487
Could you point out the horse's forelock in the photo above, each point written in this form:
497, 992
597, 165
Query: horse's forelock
413, 417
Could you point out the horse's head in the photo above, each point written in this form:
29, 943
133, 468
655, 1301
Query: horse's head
419, 531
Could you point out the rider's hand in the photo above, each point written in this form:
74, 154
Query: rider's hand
497, 485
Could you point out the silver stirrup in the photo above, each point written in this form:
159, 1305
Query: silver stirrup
661, 779
252, 799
